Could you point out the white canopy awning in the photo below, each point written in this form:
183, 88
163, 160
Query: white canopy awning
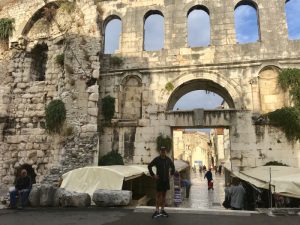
89, 179
284, 180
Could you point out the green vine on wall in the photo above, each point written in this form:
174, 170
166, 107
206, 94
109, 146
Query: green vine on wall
289, 79
165, 141
55, 116
108, 107
6, 28
288, 118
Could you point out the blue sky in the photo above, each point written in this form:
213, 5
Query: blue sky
199, 35
246, 26
293, 19
198, 99
154, 33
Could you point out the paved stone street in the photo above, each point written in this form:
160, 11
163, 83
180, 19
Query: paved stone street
117, 216
200, 197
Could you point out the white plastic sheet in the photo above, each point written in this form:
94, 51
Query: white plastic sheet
284, 180
89, 179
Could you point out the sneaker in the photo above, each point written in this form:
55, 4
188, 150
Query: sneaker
155, 215
164, 213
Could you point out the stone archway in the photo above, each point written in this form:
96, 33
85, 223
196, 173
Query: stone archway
229, 90
199, 84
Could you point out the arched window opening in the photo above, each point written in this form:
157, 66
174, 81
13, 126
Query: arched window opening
153, 31
39, 56
112, 34
246, 22
292, 10
198, 27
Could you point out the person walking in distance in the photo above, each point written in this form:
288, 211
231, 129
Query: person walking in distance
208, 175
163, 166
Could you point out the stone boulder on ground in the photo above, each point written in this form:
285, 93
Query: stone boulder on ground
74, 199
34, 196
47, 193
112, 197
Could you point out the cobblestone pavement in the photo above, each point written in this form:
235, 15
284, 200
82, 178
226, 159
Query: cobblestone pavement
200, 197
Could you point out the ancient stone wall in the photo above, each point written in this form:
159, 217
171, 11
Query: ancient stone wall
146, 85
245, 75
71, 30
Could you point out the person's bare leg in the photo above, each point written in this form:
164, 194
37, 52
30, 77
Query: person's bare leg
158, 200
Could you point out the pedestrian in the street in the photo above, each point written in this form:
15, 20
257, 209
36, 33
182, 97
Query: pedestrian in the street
200, 169
216, 169
204, 168
220, 169
194, 168
21, 189
237, 195
163, 166
208, 175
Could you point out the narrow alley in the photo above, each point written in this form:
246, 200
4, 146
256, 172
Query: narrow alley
200, 197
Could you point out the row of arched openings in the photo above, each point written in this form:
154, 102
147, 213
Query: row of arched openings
198, 23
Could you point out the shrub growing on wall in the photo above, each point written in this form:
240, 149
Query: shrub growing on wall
108, 107
111, 158
288, 118
169, 86
289, 79
165, 141
6, 28
116, 61
60, 59
55, 116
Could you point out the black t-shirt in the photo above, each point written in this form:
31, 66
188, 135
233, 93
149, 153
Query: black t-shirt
163, 166
23, 183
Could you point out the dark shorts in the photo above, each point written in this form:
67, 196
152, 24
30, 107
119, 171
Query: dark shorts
162, 186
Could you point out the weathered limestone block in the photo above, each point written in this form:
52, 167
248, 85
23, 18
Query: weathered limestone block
94, 97
47, 193
112, 197
74, 199
34, 196
58, 196
93, 111
96, 73
93, 89
89, 128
